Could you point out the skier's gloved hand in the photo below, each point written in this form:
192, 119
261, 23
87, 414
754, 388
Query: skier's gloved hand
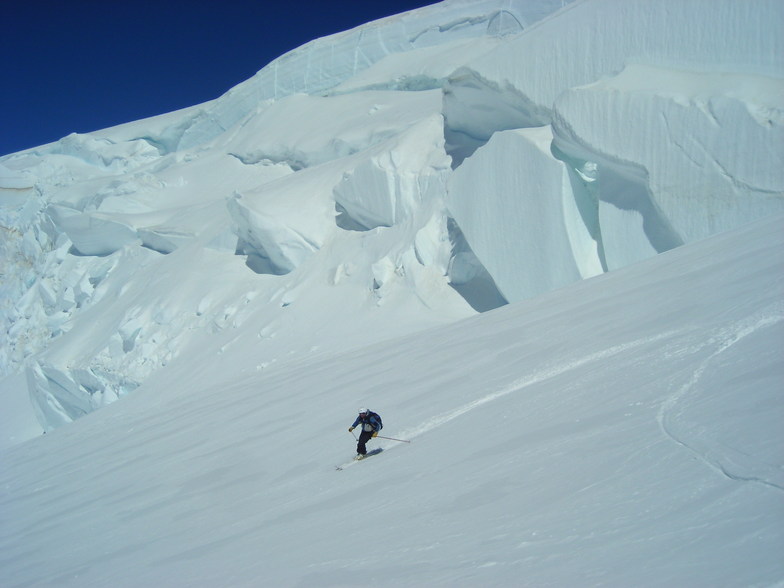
375, 433
350, 429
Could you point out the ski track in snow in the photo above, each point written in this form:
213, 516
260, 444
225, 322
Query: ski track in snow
536, 378
741, 467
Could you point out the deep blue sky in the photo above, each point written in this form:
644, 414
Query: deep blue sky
82, 65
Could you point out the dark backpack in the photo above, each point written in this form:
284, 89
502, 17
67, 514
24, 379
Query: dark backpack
377, 416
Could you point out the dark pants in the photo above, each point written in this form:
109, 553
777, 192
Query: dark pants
364, 437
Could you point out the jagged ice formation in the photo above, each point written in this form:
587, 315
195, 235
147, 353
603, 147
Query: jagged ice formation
426, 166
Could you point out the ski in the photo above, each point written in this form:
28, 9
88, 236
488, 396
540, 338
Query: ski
340, 468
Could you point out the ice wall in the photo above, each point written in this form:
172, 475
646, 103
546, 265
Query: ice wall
522, 78
712, 158
403, 174
514, 203
668, 116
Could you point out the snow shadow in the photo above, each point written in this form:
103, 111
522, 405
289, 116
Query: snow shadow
612, 196
475, 108
346, 222
468, 276
257, 259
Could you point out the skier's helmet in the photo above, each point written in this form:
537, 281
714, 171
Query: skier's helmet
363, 410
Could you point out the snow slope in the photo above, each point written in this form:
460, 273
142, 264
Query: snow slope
542, 239
623, 431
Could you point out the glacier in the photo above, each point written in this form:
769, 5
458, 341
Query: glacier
463, 148
549, 231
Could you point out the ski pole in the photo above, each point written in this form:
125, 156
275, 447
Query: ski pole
392, 439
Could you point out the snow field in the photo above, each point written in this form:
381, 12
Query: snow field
524, 453
227, 284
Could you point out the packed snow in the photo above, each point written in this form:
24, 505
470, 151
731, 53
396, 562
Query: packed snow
542, 239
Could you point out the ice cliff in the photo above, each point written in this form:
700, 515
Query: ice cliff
411, 171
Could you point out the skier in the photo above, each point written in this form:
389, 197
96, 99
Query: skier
371, 425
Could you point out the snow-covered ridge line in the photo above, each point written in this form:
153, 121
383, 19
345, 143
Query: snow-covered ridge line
324, 63
590, 40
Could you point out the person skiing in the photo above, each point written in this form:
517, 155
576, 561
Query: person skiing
371, 425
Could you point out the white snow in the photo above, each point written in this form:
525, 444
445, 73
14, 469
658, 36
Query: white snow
194, 305
595, 38
624, 431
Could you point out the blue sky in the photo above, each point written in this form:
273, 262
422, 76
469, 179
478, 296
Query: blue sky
82, 65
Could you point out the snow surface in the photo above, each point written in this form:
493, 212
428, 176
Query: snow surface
244, 273
623, 431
